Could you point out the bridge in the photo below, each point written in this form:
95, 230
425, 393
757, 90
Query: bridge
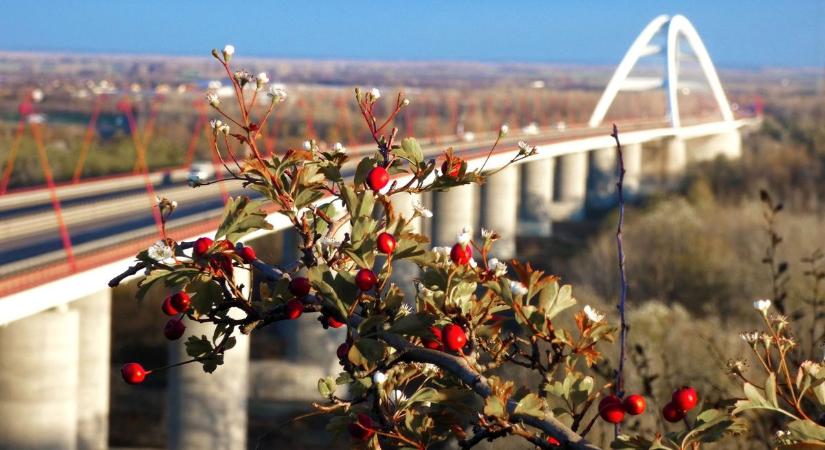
55, 306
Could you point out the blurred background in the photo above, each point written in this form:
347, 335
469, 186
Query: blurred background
102, 106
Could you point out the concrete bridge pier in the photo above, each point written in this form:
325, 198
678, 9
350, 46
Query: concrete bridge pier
404, 271
675, 159
95, 335
571, 187
209, 411
727, 144
536, 197
452, 211
632, 156
499, 210
39, 382
601, 180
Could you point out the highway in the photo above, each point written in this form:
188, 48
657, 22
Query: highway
103, 213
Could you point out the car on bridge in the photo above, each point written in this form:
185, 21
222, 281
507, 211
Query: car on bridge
201, 171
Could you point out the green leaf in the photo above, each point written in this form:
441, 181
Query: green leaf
306, 197
411, 324
806, 430
151, 279
554, 300
531, 405
205, 293
326, 387
770, 389
411, 151
242, 216
370, 349
198, 346
364, 167
493, 407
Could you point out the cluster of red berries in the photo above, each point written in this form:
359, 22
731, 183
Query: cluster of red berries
299, 287
612, 409
362, 428
177, 303
377, 178
461, 254
451, 170
683, 400
450, 337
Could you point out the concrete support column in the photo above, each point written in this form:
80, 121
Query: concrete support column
452, 211
632, 155
95, 366
39, 382
732, 144
209, 411
675, 159
307, 342
601, 182
499, 210
536, 197
571, 187
404, 271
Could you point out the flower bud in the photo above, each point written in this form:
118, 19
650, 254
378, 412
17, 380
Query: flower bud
228, 51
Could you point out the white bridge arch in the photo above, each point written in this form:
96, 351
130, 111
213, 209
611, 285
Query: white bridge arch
672, 28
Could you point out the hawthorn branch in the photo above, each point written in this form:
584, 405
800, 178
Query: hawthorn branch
620, 171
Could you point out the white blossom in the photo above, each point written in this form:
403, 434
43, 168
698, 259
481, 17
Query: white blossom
224, 128
213, 99
750, 338
375, 94
161, 252
420, 209
339, 148
762, 305
405, 102
260, 80
497, 267
216, 124
487, 234
277, 92
525, 147
395, 397
405, 309
593, 314
442, 253
504, 129
464, 236
379, 377
472, 262
228, 51
307, 145
517, 288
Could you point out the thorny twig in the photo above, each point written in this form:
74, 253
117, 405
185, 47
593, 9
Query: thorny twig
620, 171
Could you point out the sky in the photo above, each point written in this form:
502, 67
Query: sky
737, 33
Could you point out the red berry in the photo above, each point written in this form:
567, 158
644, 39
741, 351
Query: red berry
247, 254
343, 351
611, 409
454, 337
365, 279
378, 178
167, 307
634, 404
672, 413
434, 344
361, 429
133, 373
294, 309
461, 254
685, 398
451, 171
180, 301
333, 322
202, 246
553, 441
174, 329
386, 243
299, 287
